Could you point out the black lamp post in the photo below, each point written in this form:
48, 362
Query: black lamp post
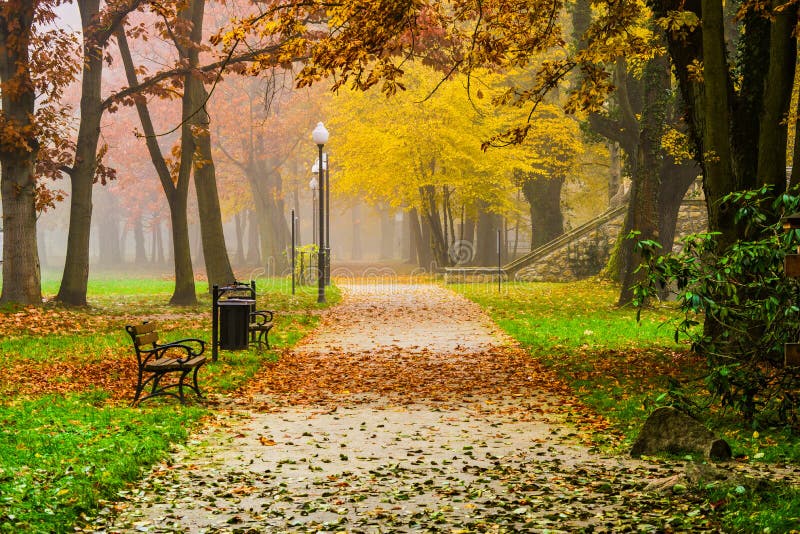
325, 242
320, 137
313, 184
327, 168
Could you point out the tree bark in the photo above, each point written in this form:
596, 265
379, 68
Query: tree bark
274, 233
486, 239
75, 278
432, 220
21, 272
184, 293
716, 134
544, 199
675, 182
777, 97
643, 208
420, 240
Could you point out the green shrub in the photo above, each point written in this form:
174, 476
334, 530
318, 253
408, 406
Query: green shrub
746, 305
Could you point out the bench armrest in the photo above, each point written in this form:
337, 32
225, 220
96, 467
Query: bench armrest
261, 317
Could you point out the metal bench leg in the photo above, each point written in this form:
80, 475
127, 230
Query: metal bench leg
139, 389
180, 385
194, 380
156, 379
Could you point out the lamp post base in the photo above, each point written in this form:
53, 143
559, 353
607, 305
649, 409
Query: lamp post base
321, 277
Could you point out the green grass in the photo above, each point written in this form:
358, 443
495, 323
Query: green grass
60, 455
569, 316
599, 349
620, 367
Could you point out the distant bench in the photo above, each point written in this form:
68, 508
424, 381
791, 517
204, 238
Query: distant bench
157, 360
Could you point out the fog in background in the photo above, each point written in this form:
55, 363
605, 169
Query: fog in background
131, 227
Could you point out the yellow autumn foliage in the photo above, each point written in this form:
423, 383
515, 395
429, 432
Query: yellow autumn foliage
388, 148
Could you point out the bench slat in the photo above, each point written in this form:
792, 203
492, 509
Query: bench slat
171, 364
145, 339
144, 328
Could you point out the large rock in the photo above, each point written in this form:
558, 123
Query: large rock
671, 431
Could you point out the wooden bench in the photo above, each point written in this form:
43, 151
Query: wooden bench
156, 360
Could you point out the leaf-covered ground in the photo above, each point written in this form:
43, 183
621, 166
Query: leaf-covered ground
406, 410
62, 358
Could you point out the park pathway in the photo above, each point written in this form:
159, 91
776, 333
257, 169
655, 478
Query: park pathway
405, 411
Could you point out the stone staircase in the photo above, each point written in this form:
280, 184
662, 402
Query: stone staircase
579, 253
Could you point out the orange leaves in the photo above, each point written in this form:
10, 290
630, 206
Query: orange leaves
336, 377
115, 374
48, 321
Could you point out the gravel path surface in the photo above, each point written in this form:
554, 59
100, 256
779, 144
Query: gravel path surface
405, 411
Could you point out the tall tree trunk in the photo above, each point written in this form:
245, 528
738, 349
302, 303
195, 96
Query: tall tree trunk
405, 252
253, 254
239, 221
176, 193
422, 246
544, 198
486, 239
123, 243
432, 220
139, 254
643, 209
274, 232
615, 170
75, 279
675, 182
215, 252
777, 97
468, 232
21, 272
197, 235
281, 234
196, 148
716, 133
184, 275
